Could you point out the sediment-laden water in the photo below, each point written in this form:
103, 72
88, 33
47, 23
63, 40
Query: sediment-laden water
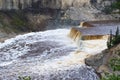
48, 55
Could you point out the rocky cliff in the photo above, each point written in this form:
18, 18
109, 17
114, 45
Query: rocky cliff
54, 4
23, 4
37, 14
68, 9
106, 62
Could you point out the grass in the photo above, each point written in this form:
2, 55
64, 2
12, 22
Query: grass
115, 64
111, 77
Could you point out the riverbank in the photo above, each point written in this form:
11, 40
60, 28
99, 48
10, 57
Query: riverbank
106, 62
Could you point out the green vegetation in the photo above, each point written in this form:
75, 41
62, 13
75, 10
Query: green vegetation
115, 64
13, 21
114, 39
24, 78
118, 53
109, 42
107, 10
113, 8
17, 21
111, 77
116, 6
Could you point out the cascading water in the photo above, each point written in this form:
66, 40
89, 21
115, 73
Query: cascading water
48, 55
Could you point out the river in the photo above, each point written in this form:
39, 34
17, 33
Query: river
48, 55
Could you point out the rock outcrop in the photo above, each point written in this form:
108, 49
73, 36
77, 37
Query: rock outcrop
102, 61
55, 4
68, 9
23, 4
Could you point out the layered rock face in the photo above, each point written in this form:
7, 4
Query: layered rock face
71, 9
87, 10
14, 4
54, 4
50, 13
22, 4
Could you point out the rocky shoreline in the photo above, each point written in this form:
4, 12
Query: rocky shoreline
101, 61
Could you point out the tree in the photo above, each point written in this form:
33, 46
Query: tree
117, 32
116, 6
113, 8
113, 40
109, 42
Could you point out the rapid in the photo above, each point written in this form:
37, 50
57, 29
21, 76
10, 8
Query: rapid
48, 55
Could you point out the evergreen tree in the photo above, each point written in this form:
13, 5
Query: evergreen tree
111, 37
116, 5
112, 41
117, 33
116, 40
109, 42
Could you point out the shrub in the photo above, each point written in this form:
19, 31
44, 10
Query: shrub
24, 78
107, 10
115, 64
113, 40
114, 8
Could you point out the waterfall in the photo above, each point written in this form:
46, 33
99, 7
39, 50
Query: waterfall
85, 41
48, 55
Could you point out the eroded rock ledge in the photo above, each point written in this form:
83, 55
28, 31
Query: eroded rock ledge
101, 61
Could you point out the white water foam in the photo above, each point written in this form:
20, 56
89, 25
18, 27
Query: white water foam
47, 53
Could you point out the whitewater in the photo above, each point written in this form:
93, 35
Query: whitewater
48, 55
